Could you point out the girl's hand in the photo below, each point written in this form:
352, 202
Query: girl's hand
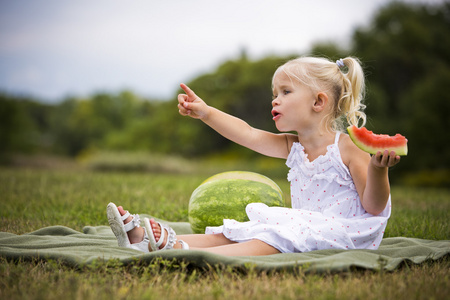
190, 104
385, 160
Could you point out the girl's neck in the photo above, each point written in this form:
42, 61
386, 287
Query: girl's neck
316, 137
315, 143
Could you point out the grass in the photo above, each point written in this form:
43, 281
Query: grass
50, 280
33, 198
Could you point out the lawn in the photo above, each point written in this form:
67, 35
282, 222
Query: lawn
34, 198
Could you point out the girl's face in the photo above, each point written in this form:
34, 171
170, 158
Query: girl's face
292, 104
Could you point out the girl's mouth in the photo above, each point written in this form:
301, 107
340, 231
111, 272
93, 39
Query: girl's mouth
276, 115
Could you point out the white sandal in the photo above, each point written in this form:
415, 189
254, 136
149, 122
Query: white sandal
120, 231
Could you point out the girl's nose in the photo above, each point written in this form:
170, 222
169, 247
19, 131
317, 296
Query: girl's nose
275, 102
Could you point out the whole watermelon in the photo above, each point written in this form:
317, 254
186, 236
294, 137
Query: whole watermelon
225, 196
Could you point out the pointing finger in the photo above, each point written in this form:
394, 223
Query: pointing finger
188, 91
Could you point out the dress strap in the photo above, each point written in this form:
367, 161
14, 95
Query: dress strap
336, 139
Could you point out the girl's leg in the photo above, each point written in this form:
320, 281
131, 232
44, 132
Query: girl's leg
205, 240
193, 240
213, 243
136, 235
219, 244
250, 248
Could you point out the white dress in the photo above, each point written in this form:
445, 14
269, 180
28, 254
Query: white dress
326, 210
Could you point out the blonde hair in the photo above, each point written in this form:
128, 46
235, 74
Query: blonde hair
344, 87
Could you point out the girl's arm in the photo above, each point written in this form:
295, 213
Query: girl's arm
376, 193
232, 128
370, 175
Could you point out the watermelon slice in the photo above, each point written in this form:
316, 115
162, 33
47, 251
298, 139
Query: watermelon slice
372, 143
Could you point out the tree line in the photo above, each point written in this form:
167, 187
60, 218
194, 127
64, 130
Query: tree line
404, 51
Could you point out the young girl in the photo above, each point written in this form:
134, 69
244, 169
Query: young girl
340, 195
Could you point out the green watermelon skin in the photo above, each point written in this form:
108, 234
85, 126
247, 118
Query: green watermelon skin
244, 175
223, 198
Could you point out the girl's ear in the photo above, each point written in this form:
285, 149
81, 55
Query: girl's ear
321, 102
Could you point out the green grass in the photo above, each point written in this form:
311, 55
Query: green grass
31, 199
420, 213
50, 280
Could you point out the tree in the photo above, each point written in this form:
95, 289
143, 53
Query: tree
405, 50
23, 125
403, 44
78, 124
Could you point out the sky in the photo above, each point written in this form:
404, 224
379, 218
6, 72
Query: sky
53, 49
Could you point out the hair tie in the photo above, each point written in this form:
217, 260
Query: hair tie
340, 63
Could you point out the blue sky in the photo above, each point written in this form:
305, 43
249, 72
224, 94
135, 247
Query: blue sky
52, 49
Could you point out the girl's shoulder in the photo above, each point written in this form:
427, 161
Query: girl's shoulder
350, 152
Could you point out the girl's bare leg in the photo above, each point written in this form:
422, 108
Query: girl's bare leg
136, 235
193, 240
205, 240
250, 248
213, 243
219, 244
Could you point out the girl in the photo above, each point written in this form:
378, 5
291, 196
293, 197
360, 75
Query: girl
340, 195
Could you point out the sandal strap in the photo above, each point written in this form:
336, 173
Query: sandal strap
135, 222
171, 238
125, 216
184, 245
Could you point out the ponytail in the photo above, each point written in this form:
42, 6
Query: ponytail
349, 103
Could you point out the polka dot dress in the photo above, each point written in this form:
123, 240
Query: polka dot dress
326, 210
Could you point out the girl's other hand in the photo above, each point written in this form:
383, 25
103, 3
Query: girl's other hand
190, 104
385, 160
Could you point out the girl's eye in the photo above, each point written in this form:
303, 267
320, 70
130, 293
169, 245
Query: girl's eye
274, 97
286, 92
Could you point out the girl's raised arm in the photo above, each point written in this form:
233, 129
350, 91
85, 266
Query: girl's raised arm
370, 175
377, 189
232, 128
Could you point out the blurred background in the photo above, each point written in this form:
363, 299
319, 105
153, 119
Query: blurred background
94, 83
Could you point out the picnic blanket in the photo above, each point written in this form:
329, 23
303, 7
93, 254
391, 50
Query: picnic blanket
98, 243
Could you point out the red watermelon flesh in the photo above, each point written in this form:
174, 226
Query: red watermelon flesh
372, 143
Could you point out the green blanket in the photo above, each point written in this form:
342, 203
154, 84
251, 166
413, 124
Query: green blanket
80, 248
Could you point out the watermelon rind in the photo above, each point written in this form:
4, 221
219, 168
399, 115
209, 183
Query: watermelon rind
385, 142
222, 197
